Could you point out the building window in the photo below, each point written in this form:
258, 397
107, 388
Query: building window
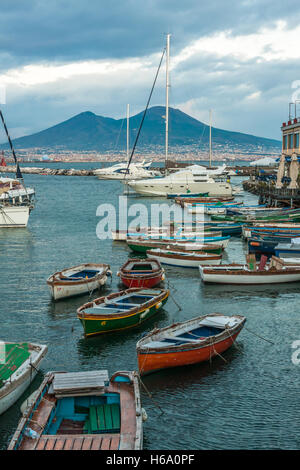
291, 138
296, 141
284, 144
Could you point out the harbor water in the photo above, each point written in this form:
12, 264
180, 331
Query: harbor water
246, 399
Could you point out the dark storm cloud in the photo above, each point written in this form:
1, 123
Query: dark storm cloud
67, 30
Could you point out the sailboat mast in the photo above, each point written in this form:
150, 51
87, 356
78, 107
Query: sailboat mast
127, 134
167, 98
210, 146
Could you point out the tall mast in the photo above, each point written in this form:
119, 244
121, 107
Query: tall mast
167, 98
210, 146
127, 134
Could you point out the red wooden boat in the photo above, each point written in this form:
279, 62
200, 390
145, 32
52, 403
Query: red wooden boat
190, 342
141, 273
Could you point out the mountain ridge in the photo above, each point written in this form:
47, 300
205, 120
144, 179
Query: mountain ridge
89, 131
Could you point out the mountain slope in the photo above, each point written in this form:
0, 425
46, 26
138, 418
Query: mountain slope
87, 131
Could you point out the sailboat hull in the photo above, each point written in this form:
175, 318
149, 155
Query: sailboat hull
14, 216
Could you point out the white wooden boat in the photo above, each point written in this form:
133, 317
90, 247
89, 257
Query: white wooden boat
14, 216
184, 259
274, 273
19, 363
81, 279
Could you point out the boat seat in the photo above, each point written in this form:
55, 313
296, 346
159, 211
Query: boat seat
103, 419
101, 310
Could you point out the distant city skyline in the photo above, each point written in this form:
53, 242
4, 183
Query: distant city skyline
58, 59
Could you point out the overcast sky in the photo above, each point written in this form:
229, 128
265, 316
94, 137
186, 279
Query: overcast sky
61, 57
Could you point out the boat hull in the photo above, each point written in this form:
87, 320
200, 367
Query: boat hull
150, 362
143, 248
182, 261
14, 216
64, 291
252, 278
15, 389
140, 282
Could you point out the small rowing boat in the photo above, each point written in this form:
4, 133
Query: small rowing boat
121, 310
141, 273
183, 259
19, 363
78, 280
189, 342
141, 246
274, 273
158, 233
83, 411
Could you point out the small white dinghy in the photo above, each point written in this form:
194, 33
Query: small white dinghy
19, 363
81, 279
184, 259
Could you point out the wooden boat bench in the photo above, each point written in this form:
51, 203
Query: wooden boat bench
73, 442
103, 419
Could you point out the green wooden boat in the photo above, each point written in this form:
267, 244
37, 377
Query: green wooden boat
142, 246
121, 310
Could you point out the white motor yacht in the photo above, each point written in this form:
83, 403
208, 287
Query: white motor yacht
189, 180
120, 171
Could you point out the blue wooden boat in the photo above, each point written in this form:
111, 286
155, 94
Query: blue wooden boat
259, 246
288, 250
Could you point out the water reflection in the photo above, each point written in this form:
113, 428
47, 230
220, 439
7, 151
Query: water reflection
245, 292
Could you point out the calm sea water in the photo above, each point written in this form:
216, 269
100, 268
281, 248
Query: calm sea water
248, 402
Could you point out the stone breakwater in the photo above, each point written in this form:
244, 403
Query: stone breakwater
48, 171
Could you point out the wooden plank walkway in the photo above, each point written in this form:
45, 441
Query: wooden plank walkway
73, 442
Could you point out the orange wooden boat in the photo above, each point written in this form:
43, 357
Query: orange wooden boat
82, 411
190, 342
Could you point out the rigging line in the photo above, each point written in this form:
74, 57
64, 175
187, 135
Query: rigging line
255, 334
150, 394
119, 134
144, 115
18, 171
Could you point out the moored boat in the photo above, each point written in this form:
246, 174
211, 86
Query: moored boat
121, 310
83, 411
189, 342
81, 279
14, 216
274, 273
217, 240
184, 259
141, 246
19, 363
288, 250
141, 273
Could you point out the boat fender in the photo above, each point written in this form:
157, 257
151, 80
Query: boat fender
145, 313
144, 415
109, 273
158, 305
163, 277
118, 273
